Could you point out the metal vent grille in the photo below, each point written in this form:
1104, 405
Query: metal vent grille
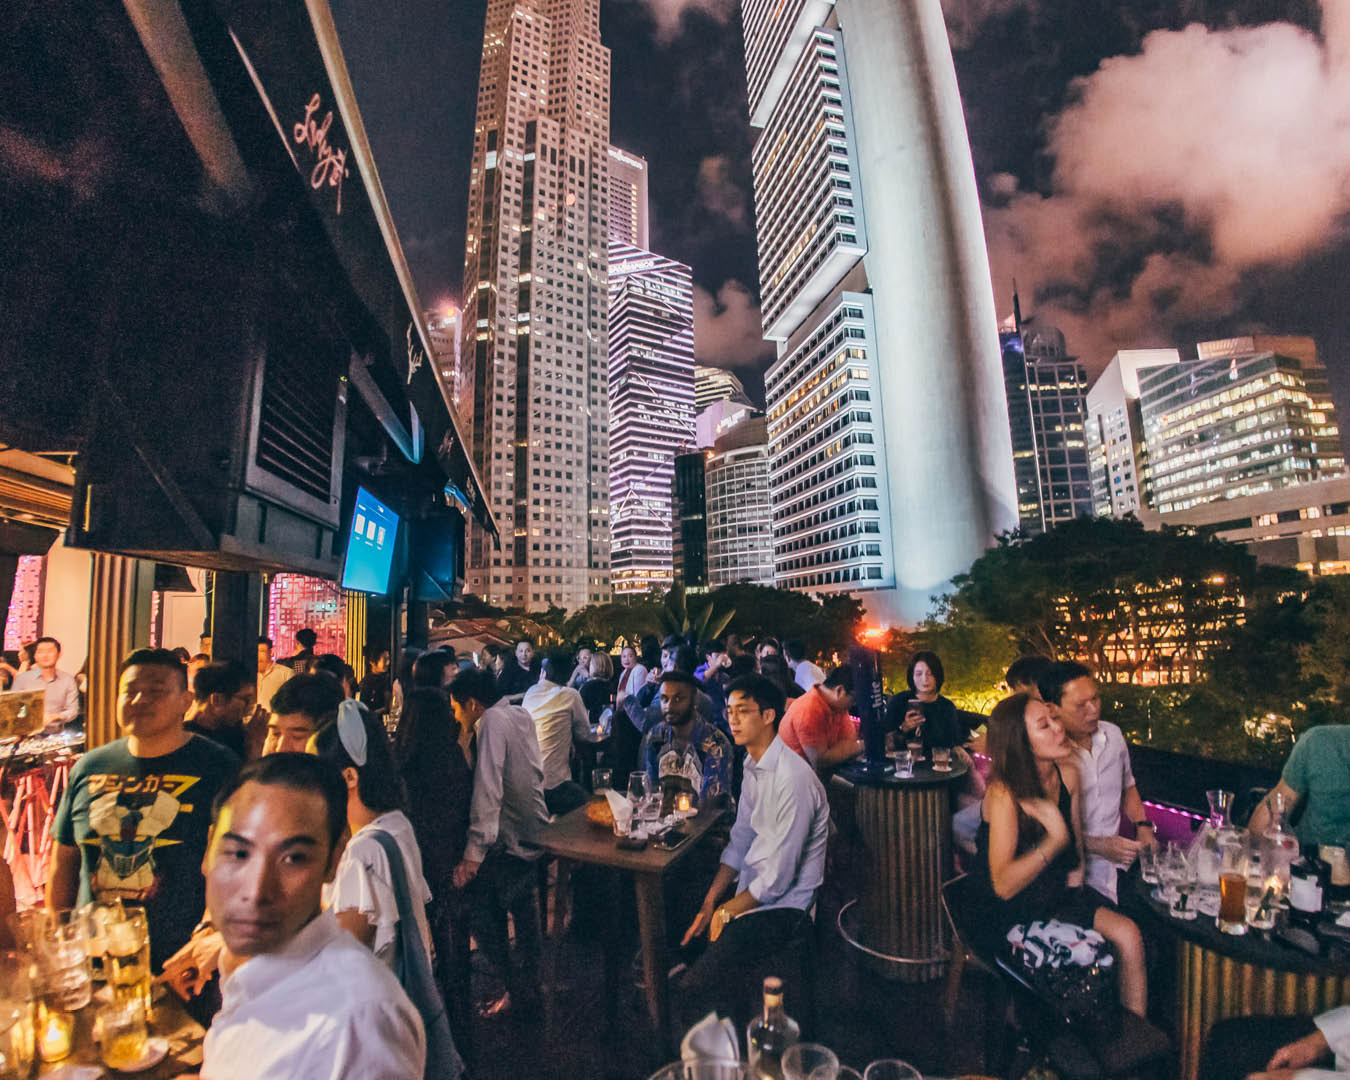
296, 420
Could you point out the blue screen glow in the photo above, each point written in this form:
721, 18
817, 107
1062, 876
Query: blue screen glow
370, 546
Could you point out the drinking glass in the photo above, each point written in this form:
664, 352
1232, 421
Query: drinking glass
601, 780
129, 958
18, 1047
57, 946
97, 918
639, 785
942, 759
1233, 888
915, 748
809, 1061
892, 1069
1148, 864
120, 1030
702, 1070
904, 763
1186, 883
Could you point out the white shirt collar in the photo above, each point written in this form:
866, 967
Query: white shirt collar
259, 973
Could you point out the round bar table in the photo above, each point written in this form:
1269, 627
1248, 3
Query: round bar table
905, 824
1220, 976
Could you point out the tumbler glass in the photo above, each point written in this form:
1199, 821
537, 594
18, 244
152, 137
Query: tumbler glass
1233, 888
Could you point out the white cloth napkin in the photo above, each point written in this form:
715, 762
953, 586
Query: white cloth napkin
621, 808
710, 1039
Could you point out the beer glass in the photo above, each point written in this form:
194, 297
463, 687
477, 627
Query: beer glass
1233, 888
121, 1033
129, 958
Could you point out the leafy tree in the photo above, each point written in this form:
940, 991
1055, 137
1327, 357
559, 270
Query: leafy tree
1324, 654
825, 626
700, 620
1108, 591
975, 653
609, 623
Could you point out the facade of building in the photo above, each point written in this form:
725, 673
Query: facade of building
535, 307
1306, 526
1117, 456
864, 190
720, 417
740, 531
1247, 415
628, 199
444, 332
713, 384
1045, 390
651, 392
829, 495
689, 521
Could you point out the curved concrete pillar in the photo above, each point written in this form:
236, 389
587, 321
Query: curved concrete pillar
948, 451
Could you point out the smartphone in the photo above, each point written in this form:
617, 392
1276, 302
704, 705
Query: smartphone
670, 839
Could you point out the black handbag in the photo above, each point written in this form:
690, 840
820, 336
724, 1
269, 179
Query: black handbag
412, 967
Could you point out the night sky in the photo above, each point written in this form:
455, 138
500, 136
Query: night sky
1152, 172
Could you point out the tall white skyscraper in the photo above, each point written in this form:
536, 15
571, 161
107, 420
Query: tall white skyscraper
535, 319
1115, 432
892, 460
651, 388
628, 199
457, 381
739, 528
717, 384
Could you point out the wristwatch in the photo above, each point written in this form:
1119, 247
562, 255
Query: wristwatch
1143, 824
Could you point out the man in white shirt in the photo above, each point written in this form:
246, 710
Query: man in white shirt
1246, 1046
62, 703
505, 816
271, 675
1108, 787
804, 673
775, 861
302, 998
559, 716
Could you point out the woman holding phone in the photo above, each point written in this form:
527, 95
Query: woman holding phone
921, 712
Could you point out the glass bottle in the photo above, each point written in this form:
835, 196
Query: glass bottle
1206, 847
1306, 884
770, 1034
1279, 847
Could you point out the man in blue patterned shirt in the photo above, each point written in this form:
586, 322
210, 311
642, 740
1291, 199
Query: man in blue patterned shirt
683, 752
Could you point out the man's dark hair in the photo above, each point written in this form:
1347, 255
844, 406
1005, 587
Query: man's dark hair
684, 658
48, 640
794, 648
672, 641
1057, 676
1026, 671
374, 653
224, 677
586, 643
650, 652
150, 658
841, 678
679, 675
768, 640
315, 696
182, 654
263, 639
523, 640
306, 637
558, 666
330, 664
377, 781
741, 665
763, 692
299, 772
471, 684
716, 645
925, 656
430, 668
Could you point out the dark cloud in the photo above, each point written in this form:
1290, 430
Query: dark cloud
727, 330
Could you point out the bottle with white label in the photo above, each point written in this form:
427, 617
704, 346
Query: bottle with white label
1305, 892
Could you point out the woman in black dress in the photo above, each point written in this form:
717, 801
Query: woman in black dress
923, 709
1029, 852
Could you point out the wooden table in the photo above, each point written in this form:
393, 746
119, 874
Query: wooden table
1220, 976
574, 840
171, 1022
905, 823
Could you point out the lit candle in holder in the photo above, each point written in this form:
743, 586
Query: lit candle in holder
683, 803
55, 1031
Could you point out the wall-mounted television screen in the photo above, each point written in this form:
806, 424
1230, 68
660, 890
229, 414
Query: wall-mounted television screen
370, 545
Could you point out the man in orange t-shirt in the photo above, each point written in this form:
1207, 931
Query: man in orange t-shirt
818, 726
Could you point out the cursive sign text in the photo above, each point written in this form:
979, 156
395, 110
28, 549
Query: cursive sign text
330, 163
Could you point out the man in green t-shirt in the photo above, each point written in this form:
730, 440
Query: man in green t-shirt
133, 822
1317, 775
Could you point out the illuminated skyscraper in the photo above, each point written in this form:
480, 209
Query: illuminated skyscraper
444, 331
892, 461
535, 304
1117, 457
717, 384
739, 528
628, 198
651, 388
1045, 388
